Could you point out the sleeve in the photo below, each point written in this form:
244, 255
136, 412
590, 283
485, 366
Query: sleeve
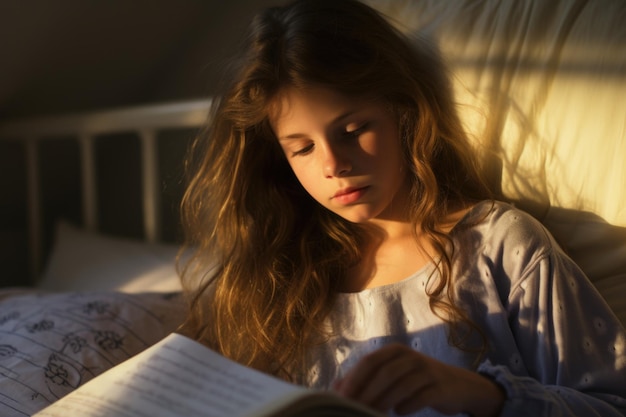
572, 344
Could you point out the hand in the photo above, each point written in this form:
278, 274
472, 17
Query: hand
399, 378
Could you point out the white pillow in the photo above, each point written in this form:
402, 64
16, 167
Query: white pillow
82, 260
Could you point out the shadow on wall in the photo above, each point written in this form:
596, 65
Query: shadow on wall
540, 86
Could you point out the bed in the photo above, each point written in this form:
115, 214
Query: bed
540, 86
101, 287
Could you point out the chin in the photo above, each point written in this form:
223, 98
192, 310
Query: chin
356, 217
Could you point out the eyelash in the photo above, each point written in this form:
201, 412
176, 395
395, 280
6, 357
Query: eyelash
356, 132
348, 135
303, 151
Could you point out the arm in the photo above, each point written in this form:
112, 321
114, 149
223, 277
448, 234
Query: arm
572, 345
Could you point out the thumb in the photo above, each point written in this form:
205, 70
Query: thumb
337, 385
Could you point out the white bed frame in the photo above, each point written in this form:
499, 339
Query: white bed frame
146, 121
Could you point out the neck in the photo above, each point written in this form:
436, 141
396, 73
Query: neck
386, 230
394, 251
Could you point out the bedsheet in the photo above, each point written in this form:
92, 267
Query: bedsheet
50, 343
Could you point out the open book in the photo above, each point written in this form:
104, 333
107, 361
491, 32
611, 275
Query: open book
179, 377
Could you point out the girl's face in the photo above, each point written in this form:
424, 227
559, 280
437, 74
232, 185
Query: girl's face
345, 152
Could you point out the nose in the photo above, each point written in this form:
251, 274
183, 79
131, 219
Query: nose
336, 162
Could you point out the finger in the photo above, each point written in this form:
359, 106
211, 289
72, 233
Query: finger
409, 395
454, 390
413, 401
336, 386
431, 396
393, 380
357, 378
387, 377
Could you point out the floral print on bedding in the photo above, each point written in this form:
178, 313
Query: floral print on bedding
51, 343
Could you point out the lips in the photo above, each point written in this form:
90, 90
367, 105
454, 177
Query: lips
350, 195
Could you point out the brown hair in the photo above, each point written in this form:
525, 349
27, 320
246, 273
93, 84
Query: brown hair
277, 255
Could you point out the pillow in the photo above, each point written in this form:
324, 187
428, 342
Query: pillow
540, 86
598, 247
82, 260
51, 343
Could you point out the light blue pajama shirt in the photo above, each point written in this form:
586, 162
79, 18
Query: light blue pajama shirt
553, 343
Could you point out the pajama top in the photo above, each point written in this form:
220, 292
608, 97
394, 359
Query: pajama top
553, 343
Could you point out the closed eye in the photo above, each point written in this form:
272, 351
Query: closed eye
303, 151
354, 133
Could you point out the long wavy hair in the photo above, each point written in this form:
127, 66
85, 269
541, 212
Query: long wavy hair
268, 259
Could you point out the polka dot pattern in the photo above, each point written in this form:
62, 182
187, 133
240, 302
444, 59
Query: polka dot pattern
550, 336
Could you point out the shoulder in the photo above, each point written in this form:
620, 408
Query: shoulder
510, 239
496, 221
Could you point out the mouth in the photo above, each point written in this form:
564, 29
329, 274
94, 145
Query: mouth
350, 195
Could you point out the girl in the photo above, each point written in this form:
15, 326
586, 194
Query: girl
345, 237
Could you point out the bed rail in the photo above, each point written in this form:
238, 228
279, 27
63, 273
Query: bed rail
146, 121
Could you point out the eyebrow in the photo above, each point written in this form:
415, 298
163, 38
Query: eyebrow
335, 120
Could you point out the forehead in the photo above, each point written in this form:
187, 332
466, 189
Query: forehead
296, 107
289, 99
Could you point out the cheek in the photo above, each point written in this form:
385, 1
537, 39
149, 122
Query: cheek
394, 149
303, 175
312, 184
382, 149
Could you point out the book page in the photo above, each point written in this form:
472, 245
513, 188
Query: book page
176, 377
